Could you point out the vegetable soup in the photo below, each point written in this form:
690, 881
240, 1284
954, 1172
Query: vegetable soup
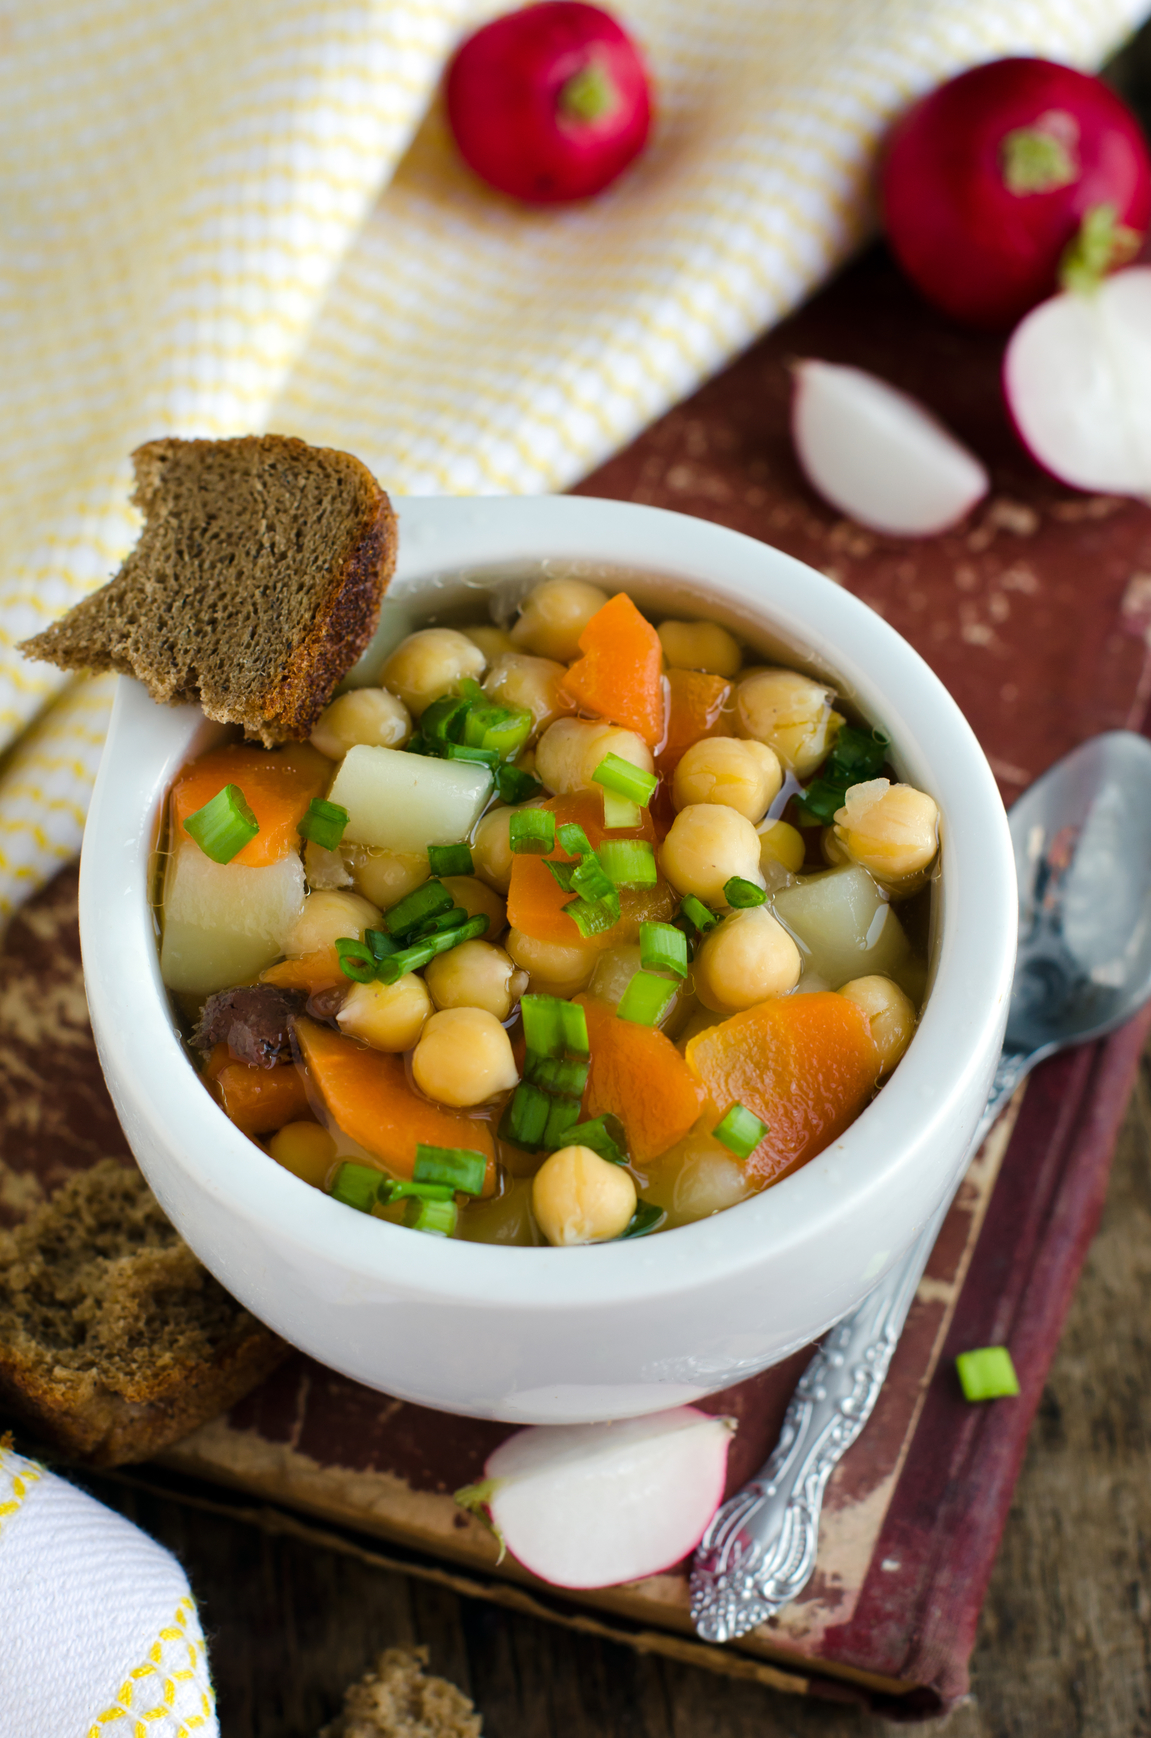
572, 932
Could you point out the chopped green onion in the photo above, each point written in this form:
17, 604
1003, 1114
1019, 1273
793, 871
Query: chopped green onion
646, 998
525, 1119
357, 959
224, 826
471, 690
457, 1167
574, 1022
625, 779
856, 756
561, 1074
572, 839
563, 1116
543, 1024
427, 901
450, 859
323, 824
561, 872
987, 1374
620, 811
590, 880
532, 830
440, 925
419, 744
443, 720
629, 862
438, 1217
593, 917
357, 1186
741, 894
503, 729
394, 1190
417, 955
739, 1130
514, 785
697, 914
380, 943
647, 1217
604, 1135
482, 756
663, 948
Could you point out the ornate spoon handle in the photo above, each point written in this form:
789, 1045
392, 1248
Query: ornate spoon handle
759, 1551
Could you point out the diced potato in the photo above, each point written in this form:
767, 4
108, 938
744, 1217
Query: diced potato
224, 922
844, 926
406, 802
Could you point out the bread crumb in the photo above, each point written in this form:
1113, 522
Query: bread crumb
397, 1700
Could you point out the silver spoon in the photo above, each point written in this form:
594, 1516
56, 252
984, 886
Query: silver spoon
1082, 837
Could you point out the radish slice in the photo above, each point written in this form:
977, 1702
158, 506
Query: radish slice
878, 455
1077, 378
591, 1505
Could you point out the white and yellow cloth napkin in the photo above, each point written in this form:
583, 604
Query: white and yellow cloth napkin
99, 1636
220, 218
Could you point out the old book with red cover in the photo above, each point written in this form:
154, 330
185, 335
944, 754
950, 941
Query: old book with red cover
1035, 613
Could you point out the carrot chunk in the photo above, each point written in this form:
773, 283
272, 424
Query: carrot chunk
697, 704
277, 786
619, 676
312, 972
366, 1093
805, 1065
536, 900
638, 1075
257, 1100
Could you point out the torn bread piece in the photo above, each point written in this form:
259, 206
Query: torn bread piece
114, 1340
255, 584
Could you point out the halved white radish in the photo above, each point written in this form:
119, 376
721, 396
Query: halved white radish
1077, 379
406, 802
224, 922
879, 455
592, 1505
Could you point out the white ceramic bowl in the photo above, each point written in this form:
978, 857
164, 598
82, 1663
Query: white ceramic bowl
551, 1335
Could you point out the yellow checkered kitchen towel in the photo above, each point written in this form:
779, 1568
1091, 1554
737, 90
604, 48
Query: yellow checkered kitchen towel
219, 217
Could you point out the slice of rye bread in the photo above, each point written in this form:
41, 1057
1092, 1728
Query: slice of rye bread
114, 1340
397, 1700
254, 587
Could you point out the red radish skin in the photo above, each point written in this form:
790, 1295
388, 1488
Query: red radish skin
594, 1505
988, 179
550, 103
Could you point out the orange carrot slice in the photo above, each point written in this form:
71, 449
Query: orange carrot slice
536, 900
312, 972
696, 708
619, 676
366, 1093
257, 1100
804, 1064
277, 786
638, 1075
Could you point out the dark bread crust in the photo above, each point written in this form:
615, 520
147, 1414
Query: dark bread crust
255, 584
114, 1341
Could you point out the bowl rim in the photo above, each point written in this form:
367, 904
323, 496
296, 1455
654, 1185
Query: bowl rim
152, 1079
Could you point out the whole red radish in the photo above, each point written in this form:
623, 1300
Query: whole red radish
549, 103
988, 180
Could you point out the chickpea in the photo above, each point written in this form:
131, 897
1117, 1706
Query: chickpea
569, 751
386, 1016
554, 615
745, 775
890, 1016
781, 844
476, 975
429, 664
491, 846
891, 830
700, 646
791, 713
552, 969
750, 958
706, 845
386, 877
515, 679
367, 715
326, 917
580, 1198
305, 1149
473, 897
464, 1057
493, 642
